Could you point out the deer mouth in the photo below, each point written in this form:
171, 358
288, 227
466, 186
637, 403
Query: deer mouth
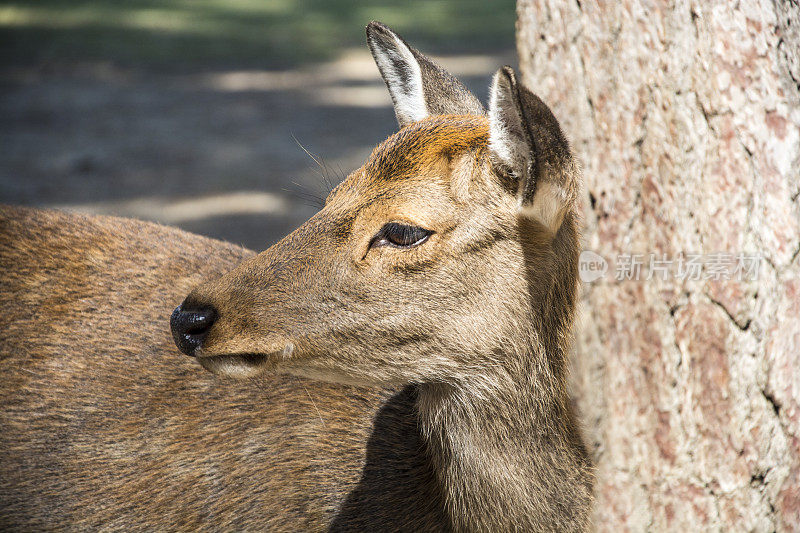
242, 365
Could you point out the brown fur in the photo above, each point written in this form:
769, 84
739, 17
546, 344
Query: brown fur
491, 295
466, 334
106, 426
422, 144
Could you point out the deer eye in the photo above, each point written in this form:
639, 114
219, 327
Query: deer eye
400, 235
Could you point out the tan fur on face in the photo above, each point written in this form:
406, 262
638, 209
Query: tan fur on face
425, 175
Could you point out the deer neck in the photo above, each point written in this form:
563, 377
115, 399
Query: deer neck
507, 457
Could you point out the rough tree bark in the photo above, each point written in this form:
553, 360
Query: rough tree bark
686, 118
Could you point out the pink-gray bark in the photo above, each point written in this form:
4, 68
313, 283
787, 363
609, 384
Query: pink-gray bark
686, 119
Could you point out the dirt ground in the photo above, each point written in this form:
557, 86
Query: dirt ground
214, 152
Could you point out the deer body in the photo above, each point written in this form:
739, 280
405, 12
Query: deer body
430, 302
104, 426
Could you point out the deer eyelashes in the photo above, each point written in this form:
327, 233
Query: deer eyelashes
400, 235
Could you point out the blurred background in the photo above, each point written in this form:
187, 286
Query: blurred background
199, 113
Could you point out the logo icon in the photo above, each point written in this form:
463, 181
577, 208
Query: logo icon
591, 266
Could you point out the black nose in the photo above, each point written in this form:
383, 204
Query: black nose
190, 325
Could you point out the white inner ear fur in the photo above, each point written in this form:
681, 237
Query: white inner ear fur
506, 137
509, 144
405, 85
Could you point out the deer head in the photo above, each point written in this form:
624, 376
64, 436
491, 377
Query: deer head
450, 253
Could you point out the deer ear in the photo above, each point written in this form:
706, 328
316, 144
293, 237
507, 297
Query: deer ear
526, 142
418, 86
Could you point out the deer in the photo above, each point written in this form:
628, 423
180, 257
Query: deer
398, 362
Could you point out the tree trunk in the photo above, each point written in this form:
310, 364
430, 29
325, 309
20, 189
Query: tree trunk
686, 119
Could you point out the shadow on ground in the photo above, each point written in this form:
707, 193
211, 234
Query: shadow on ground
212, 145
